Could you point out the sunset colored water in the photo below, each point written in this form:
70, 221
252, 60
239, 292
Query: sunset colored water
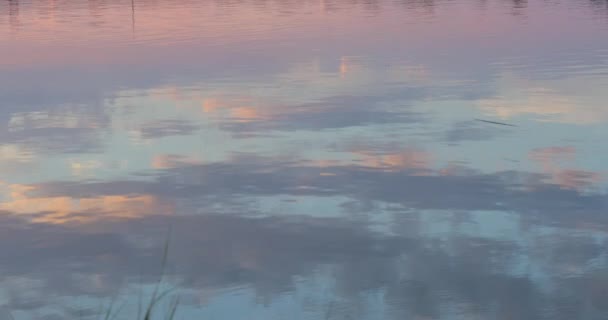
296, 159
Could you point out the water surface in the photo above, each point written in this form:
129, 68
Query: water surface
329, 159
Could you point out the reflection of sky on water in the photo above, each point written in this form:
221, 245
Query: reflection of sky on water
413, 272
321, 158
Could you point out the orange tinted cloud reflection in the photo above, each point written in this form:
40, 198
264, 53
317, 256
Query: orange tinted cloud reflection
418, 161
246, 114
553, 161
63, 209
413, 159
167, 161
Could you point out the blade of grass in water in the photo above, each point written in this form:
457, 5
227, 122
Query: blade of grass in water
157, 294
109, 310
173, 309
117, 311
155, 298
496, 122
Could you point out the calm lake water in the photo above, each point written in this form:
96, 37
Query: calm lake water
304, 159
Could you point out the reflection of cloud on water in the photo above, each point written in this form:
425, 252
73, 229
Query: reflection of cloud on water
562, 102
421, 276
66, 209
93, 237
386, 158
65, 131
543, 103
403, 184
557, 162
166, 161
